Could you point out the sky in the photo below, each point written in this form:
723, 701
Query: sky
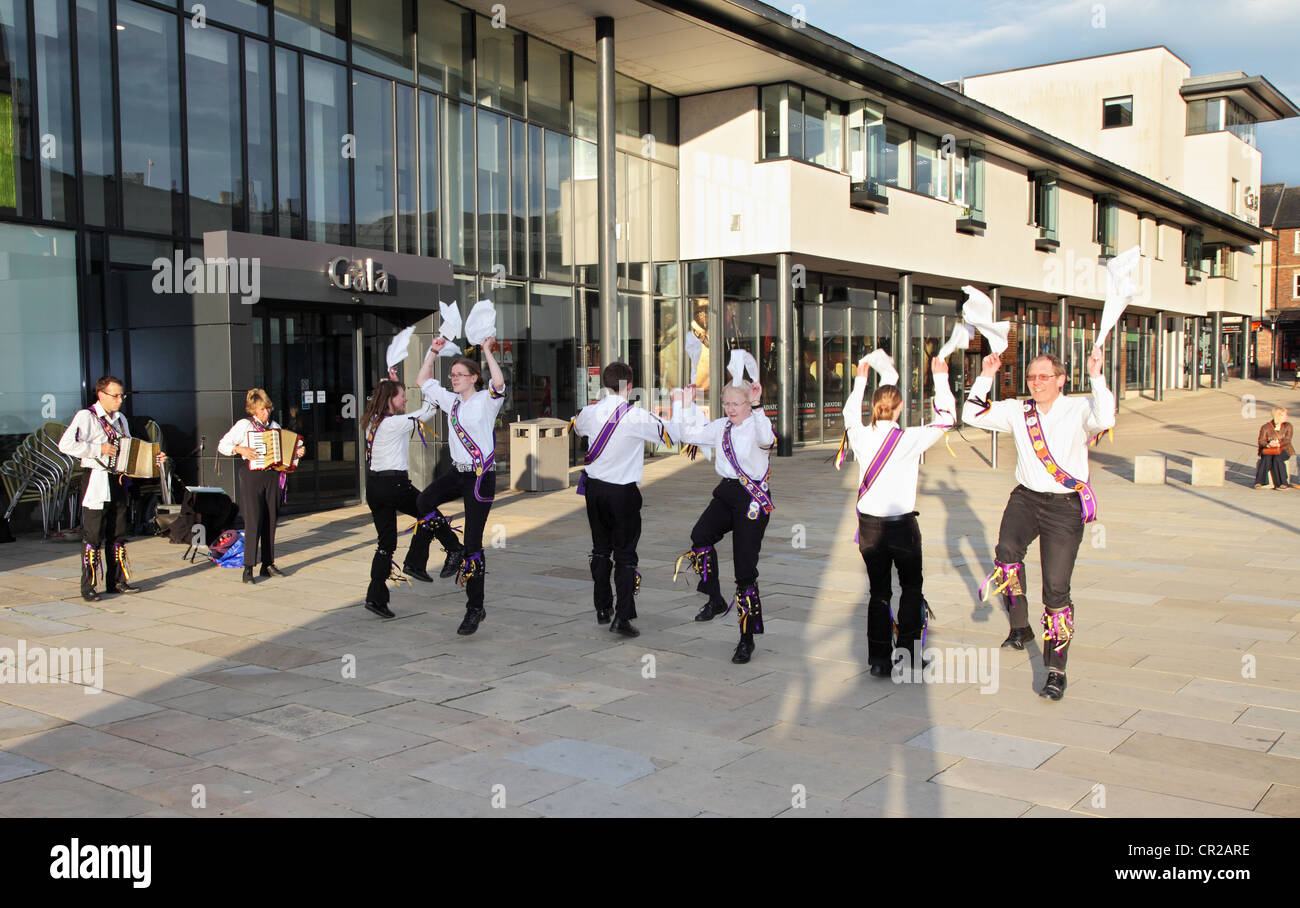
945, 40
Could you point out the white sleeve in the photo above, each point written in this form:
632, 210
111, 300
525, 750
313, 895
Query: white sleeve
853, 406
687, 431
441, 397
238, 435
997, 418
1101, 409
76, 438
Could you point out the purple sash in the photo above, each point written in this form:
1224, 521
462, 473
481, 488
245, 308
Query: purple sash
872, 473
1087, 500
481, 464
757, 489
602, 439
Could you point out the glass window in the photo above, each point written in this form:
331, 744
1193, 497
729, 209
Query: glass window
518, 197
95, 106
458, 145
17, 162
663, 125
1117, 112
773, 99
584, 98
407, 209
149, 106
315, 25
808, 370
549, 85
634, 216
493, 192
375, 172
630, 336
866, 139
1241, 123
383, 37
1106, 215
552, 353
663, 213
325, 97
814, 128
585, 220
896, 156
213, 112
446, 48
430, 209
835, 135
973, 181
500, 67
536, 202
669, 349
1045, 214
257, 117
927, 164
1205, 115
288, 143
697, 305
54, 76
559, 200
794, 119
630, 99
250, 15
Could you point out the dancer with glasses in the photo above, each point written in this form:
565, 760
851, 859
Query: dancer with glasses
1053, 501
471, 414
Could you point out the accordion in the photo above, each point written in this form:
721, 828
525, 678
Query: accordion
136, 458
276, 450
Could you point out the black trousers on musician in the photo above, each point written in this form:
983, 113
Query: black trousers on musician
1274, 465
614, 513
103, 530
1056, 520
728, 512
389, 493
448, 487
259, 503
886, 544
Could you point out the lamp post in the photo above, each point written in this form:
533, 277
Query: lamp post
1271, 315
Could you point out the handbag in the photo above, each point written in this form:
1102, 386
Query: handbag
1273, 449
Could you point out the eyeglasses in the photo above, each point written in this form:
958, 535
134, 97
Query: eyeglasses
459, 374
1046, 376
121, 396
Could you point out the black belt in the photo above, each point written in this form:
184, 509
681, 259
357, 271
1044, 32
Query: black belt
896, 518
388, 473
1063, 495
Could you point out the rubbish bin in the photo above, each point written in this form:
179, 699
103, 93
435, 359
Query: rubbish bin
539, 455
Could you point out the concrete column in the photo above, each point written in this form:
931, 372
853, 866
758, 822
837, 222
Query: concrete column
1063, 322
1116, 380
1159, 383
1216, 353
903, 341
607, 208
1195, 382
787, 380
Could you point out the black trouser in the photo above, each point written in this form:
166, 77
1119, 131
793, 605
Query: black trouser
452, 485
728, 511
1055, 519
614, 512
259, 502
1274, 464
103, 531
389, 493
886, 543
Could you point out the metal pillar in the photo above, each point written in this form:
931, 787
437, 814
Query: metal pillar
607, 208
1158, 386
787, 380
1216, 355
1063, 322
995, 296
903, 341
1195, 382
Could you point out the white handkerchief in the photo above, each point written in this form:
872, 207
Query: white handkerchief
481, 323
449, 349
1120, 290
451, 320
693, 349
962, 335
883, 363
978, 313
742, 361
397, 350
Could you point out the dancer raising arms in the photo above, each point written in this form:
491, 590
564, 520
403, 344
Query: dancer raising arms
472, 415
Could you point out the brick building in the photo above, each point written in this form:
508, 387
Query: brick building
1280, 286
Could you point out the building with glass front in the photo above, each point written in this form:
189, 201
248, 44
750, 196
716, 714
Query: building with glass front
205, 198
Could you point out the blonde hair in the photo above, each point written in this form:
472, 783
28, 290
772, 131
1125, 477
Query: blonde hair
1277, 410
1058, 367
742, 390
884, 402
257, 398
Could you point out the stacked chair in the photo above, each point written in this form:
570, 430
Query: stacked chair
39, 472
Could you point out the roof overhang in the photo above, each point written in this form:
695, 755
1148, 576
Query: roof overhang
1254, 93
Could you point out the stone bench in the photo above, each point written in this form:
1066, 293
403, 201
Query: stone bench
1149, 469
1207, 471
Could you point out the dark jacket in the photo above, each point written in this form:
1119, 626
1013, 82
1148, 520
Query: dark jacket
1271, 435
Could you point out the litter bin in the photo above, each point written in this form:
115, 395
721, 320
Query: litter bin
539, 455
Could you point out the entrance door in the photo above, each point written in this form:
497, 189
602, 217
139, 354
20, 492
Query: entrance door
306, 360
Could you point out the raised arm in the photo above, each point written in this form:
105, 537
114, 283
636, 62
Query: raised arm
430, 357
1101, 414
498, 384
853, 406
944, 404
686, 426
763, 433
978, 410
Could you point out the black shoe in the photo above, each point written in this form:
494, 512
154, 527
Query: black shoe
603, 615
712, 609
744, 649
1018, 637
1055, 687
452, 564
92, 596
378, 608
624, 627
879, 671
270, 570
470, 624
417, 573
248, 575
123, 587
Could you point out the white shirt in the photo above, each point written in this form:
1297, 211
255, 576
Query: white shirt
623, 459
750, 441
894, 490
477, 416
1066, 429
238, 435
391, 447
83, 439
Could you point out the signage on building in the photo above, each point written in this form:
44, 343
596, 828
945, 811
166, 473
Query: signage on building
360, 275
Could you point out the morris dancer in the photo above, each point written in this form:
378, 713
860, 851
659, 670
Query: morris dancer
93, 435
617, 433
742, 503
1053, 500
472, 414
389, 491
888, 534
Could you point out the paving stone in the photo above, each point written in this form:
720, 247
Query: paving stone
984, 745
15, 766
1202, 730
899, 796
489, 774
1039, 787
610, 766
296, 722
63, 795
593, 799
1152, 776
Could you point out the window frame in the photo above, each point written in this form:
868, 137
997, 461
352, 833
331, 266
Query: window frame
1105, 106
